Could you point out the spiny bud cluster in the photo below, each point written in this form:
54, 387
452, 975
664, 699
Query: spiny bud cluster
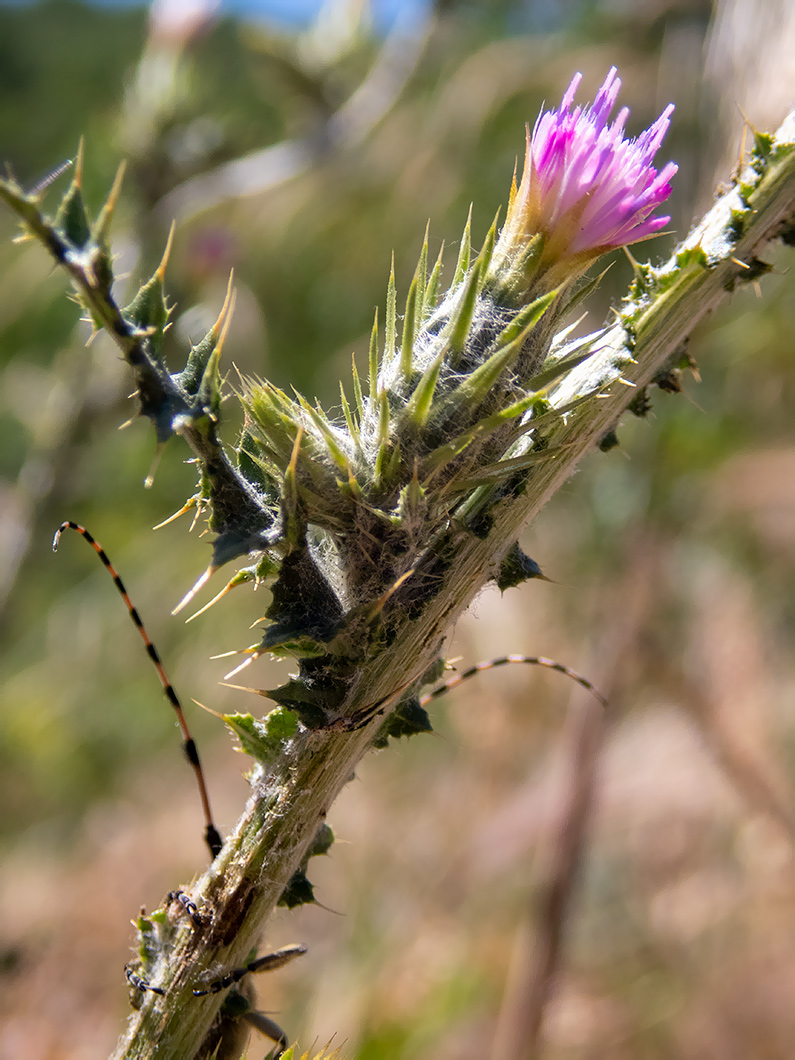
340, 512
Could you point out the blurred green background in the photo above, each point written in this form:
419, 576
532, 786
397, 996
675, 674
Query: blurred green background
302, 156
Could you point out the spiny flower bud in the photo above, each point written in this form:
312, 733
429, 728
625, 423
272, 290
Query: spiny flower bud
585, 189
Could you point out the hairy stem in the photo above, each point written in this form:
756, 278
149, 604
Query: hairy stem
289, 800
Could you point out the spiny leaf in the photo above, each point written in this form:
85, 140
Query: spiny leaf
264, 568
265, 738
526, 317
409, 719
353, 427
416, 412
357, 388
268, 454
393, 466
429, 301
324, 1054
282, 403
444, 454
351, 488
580, 294
500, 470
276, 434
304, 612
510, 412
517, 567
294, 524
409, 331
373, 358
208, 397
332, 445
464, 251
198, 358
474, 387
390, 333
460, 321
383, 436
148, 310
548, 416
311, 706
487, 249
544, 378
412, 501
514, 184
526, 263
103, 262
299, 890
102, 226
71, 219
421, 275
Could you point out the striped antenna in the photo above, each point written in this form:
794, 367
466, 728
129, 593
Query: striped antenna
211, 835
527, 660
50, 178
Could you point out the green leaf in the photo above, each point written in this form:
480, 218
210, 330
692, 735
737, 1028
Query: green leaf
474, 387
410, 323
103, 261
264, 739
429, 300
190, 377
491, 474
318, 417
353, 427
148, 311
458, 327
390, 332
373, 358
421, 401
421, 275
382, 454
527, 317
357, 389
464, 251
71, 219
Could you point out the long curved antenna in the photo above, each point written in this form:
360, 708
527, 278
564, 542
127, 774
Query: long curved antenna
527, 660
212, 836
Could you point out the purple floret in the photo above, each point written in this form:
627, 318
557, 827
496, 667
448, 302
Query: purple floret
585, 187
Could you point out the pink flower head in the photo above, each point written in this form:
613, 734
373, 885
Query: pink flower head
584, 187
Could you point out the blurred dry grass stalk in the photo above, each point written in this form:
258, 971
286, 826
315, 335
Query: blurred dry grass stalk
682, 945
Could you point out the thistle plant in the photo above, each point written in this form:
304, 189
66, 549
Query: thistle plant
377, 527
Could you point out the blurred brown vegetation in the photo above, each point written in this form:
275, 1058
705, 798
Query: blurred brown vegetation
673, 556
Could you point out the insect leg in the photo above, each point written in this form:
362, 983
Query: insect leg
141, 984
268, 963
271, 1029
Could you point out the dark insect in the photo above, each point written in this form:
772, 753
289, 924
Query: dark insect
211, 835
138, 983
237, 1016
270, 962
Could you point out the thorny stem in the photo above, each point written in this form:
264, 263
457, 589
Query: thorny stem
241, 888
156, 388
